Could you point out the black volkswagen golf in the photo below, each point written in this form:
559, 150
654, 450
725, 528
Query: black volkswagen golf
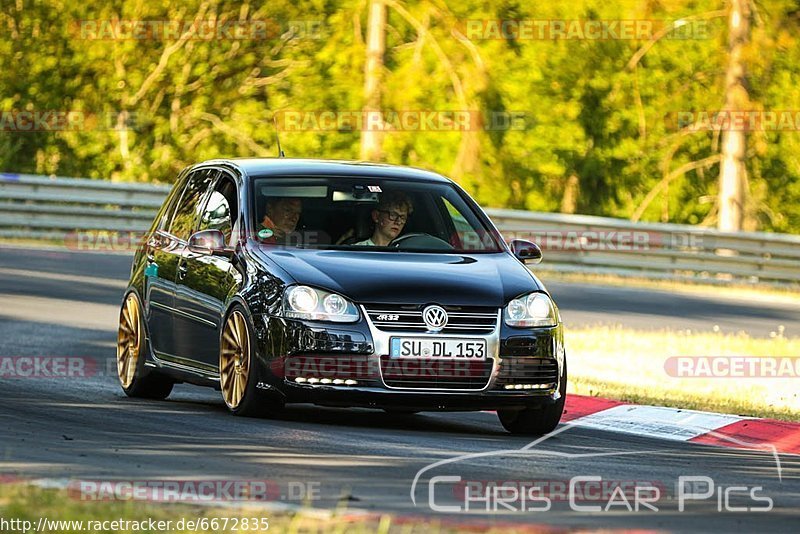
341, 284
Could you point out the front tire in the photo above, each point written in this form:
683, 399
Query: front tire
238, 374
536, 421
131, 348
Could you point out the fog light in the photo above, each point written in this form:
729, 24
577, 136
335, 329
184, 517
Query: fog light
529, 386
325, 381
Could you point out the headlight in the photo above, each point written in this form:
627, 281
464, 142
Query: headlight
535, 309
303, 302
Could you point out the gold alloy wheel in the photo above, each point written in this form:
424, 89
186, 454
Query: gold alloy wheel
129, 341
234, 359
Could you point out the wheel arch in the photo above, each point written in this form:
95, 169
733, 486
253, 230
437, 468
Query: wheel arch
148, 346
260, 363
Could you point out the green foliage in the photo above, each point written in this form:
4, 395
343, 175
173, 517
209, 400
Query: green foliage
599, 134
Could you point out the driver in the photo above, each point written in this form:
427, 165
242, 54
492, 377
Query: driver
280, 219
390, 217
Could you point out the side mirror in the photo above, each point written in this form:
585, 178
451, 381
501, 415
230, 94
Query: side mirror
526, 251
209, 242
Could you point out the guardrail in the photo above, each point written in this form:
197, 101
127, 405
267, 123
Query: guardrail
37, 207
582, 243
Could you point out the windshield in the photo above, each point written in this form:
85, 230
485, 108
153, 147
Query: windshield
367, 214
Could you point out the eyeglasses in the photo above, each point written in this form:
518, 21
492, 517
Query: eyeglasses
394, 216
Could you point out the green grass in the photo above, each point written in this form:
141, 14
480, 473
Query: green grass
29, 503
26, 502
628, 365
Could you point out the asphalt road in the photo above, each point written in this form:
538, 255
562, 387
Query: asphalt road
65, 304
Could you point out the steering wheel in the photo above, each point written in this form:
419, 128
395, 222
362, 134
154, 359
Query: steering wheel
420, 241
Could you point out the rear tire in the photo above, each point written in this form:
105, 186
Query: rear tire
136, 381
536, 421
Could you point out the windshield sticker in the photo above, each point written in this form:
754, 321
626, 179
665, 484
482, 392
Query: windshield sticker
265, 233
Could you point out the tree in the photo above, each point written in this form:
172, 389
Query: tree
733, 173
595, 137
373, 74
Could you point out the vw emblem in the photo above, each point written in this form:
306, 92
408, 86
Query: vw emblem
435, 318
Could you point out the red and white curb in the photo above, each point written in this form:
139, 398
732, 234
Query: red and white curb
683, 425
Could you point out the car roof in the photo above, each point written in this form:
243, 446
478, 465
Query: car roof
264, 167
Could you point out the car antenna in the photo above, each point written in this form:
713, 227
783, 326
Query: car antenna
278, 138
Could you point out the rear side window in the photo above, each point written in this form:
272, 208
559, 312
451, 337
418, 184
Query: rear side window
183, 222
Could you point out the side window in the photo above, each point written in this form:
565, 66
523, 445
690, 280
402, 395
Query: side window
459, 222
221, 209
465, 236
168, 207
183, 221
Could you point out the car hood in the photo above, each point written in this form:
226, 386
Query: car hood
409, 278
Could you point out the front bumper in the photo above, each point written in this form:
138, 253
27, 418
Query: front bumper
345, 365
416, 400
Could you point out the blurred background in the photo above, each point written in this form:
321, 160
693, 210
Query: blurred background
633, 112
569, 119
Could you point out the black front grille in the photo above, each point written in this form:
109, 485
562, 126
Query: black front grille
408, 318
527, 370
419, 373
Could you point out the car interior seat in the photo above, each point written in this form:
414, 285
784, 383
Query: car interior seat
362, 225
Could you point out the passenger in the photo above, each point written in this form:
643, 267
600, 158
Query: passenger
280, 219
389, 217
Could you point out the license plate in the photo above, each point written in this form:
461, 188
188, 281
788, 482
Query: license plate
409, 347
